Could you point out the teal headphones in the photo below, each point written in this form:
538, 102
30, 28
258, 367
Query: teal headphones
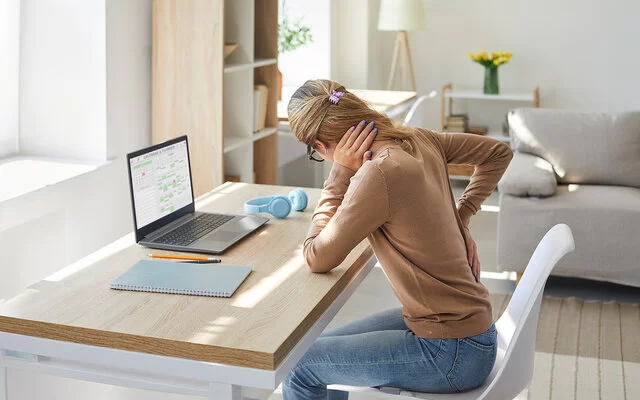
278, 206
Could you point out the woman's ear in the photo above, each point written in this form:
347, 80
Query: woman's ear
320, 147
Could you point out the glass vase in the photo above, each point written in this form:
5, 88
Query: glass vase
491, 80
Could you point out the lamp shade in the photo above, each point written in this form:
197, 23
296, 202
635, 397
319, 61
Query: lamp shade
401, 15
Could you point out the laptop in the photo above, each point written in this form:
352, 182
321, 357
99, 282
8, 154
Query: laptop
164, 215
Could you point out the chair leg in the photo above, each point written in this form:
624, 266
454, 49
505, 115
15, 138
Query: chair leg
518, 277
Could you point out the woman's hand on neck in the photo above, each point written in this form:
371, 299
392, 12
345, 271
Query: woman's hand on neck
354, 149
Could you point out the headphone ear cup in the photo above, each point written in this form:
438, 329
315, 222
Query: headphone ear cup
280, 207
298, 199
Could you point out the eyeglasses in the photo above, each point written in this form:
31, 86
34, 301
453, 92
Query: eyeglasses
313, 154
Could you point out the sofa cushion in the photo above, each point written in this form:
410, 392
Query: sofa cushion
583, 147
605, 221
528, 175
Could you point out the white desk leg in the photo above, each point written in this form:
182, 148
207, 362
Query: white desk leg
4, 395
222, 391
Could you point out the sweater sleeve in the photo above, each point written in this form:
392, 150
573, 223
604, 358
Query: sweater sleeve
490, 157
350, 208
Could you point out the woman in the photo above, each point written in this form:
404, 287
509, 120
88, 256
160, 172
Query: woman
390, 184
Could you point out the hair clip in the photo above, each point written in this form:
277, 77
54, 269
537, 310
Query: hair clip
335, 97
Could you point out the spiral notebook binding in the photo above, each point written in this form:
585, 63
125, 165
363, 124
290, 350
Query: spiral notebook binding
152, 289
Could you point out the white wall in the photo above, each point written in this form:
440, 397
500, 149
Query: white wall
582, 54
128, 37
56, 225
349, 42
356, 55
9, 73
315, 56
62, 79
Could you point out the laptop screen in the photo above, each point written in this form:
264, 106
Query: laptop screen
160, 182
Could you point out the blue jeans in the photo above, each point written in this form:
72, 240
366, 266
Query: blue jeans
380, 350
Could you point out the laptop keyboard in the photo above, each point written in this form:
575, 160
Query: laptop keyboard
193, 230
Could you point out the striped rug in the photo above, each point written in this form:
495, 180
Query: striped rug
584, 350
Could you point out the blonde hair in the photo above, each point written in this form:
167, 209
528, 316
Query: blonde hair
312, 116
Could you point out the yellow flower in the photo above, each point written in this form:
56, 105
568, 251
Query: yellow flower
485, 57
494, 55
509, 55
496, 62
471, 56
500, 54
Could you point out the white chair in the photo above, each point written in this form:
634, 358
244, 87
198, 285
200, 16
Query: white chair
417, 114
516, 328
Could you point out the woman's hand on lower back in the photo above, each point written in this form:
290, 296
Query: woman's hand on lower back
353, 149
472, 255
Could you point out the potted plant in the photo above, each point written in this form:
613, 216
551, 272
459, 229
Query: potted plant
290, 37
491, 64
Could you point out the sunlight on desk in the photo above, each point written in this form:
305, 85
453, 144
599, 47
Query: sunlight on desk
217, 326
24, 296
203, 202
103, 253
253, 296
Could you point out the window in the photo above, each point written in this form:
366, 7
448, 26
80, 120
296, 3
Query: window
52, 91
53, 79
312, 60
63, 79
9, 77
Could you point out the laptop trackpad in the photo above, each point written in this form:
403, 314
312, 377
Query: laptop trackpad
222, 236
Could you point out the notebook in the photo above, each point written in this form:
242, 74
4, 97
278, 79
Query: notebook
182, 278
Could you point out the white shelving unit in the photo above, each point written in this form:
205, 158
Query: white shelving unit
448, 97
478, 95
254, 61
234, 142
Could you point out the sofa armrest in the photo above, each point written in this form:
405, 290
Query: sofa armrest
528, 175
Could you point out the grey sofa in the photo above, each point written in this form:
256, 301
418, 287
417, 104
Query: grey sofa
582, 169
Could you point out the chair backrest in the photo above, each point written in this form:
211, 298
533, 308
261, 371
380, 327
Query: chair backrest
417, 114
517, 326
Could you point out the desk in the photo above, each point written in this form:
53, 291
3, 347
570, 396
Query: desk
71, 324
389, 102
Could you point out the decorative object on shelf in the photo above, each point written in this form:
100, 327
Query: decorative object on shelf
478, 130
291, 36
260, 96
494, 130
457, 123
401, 16
232, 178
491, 64
229, 48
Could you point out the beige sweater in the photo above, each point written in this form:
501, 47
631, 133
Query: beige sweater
402, 202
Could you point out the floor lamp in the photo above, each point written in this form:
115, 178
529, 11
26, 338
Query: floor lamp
401, 16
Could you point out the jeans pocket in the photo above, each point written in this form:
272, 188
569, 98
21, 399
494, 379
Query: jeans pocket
485, 341
432, 346
474, 362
